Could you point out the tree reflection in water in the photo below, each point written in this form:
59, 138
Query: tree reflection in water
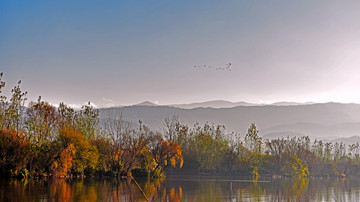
180, 189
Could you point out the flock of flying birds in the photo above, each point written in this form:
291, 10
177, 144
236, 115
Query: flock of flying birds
226, 68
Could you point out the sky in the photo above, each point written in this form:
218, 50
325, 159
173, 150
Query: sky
125, 52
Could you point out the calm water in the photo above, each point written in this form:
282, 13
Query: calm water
180, 189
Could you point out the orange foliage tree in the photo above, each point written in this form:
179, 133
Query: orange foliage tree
13, 151
165, 153
62, 166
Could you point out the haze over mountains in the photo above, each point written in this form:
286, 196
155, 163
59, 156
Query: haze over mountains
220, 104
320, 120
214, 104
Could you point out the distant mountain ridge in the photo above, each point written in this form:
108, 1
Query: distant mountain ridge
146, 103
325, 120
214, 104
291, 103
348, 140
220, 104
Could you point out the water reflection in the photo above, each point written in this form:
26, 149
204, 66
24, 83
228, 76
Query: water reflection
180, 189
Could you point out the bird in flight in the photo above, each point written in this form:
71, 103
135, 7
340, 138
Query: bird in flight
227, 67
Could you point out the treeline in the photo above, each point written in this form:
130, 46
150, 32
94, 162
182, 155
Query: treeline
40, 140
209, 150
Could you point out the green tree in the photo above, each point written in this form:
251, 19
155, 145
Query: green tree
67, 116
233, 151
254, 142
42, 122
12, 112
88, 121
3, 104
276, 148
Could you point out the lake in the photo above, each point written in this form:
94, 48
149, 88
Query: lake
181, 188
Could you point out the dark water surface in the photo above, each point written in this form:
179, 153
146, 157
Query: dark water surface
177, 188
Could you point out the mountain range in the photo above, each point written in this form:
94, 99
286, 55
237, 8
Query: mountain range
221, 104
317, 120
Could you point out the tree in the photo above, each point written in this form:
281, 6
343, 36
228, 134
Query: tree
42, 121
104, 148
253, 142
88, 121
134, 146
12, 112
67, 116
170, 127
233, 151
276, 147
13, 152
165, 153
252, 139
86, 155
294, 167
63, 164
3, 104
117, 128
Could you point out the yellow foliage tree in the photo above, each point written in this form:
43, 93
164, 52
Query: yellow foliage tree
86, 155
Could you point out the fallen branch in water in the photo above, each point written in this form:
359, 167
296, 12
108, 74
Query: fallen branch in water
143, 193
333, 197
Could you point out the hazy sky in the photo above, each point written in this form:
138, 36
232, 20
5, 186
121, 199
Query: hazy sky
125, 52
